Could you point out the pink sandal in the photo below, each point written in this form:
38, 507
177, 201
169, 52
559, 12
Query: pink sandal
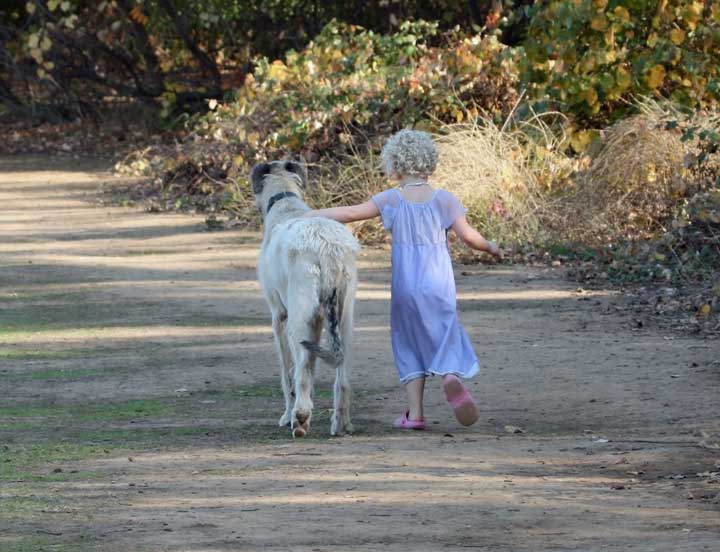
403, 422
461, 400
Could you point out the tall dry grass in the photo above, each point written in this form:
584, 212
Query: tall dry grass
522, 186
505, 176
351, 179
633, 182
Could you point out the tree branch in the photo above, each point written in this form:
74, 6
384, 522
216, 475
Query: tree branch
205, 61
154, 76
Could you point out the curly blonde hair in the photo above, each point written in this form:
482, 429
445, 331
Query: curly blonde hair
409, 152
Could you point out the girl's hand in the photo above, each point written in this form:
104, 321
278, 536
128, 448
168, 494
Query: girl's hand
494, 250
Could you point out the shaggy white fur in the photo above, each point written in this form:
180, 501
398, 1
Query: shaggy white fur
307, 269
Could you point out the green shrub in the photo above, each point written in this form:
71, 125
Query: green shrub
593, 55
349, 87
350, 80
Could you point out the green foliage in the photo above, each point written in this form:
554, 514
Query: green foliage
349, 80
347, 89
591, 55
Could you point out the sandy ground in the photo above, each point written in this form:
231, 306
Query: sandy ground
104, 305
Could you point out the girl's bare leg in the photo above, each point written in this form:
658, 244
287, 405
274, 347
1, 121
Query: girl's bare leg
415, 390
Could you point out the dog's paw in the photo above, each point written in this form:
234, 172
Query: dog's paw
338, 425
301, 429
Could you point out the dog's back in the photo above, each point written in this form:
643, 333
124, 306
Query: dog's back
308, 248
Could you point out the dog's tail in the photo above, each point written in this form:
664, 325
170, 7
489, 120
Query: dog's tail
335, 355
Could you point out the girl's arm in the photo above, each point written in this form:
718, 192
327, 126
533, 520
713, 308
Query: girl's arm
473, 238
349, 213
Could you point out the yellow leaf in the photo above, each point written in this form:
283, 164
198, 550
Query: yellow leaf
580, 140
715, 12
137, 15
589, 64
677, 36
655, 77
610, 56
277, 70
622, 14
591, 97
610, 37
696, 8
599, 22
651, 175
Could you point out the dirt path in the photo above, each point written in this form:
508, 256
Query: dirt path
140, 394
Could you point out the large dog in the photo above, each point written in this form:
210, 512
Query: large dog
308, 273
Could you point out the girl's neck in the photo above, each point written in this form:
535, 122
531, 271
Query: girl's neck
412, 180
415, 189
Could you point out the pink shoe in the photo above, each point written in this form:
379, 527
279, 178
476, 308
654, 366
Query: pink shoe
461, 400
403, 422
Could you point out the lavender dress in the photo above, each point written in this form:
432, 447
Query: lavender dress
427, 337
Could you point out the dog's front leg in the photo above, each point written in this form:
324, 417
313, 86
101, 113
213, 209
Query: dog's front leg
279, 324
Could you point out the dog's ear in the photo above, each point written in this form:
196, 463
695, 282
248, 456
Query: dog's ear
257, 176
299, 169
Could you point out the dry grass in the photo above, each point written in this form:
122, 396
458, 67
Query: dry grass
505, 177
633, 182
521, 187
352, 179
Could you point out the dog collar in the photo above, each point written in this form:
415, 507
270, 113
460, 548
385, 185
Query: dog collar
278, 197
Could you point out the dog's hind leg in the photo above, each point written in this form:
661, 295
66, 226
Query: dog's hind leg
302, 328
341, 393
279, 325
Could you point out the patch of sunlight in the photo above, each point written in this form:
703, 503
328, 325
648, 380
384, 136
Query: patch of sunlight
517, 294
55, 335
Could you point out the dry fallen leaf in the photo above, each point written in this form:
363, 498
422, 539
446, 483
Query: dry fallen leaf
513, 429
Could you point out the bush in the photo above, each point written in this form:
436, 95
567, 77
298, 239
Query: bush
351, 80
348, 85
591, 56
633, 183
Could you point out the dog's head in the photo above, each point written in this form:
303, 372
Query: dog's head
276, 177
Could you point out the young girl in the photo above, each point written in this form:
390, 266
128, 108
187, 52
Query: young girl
427, 337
